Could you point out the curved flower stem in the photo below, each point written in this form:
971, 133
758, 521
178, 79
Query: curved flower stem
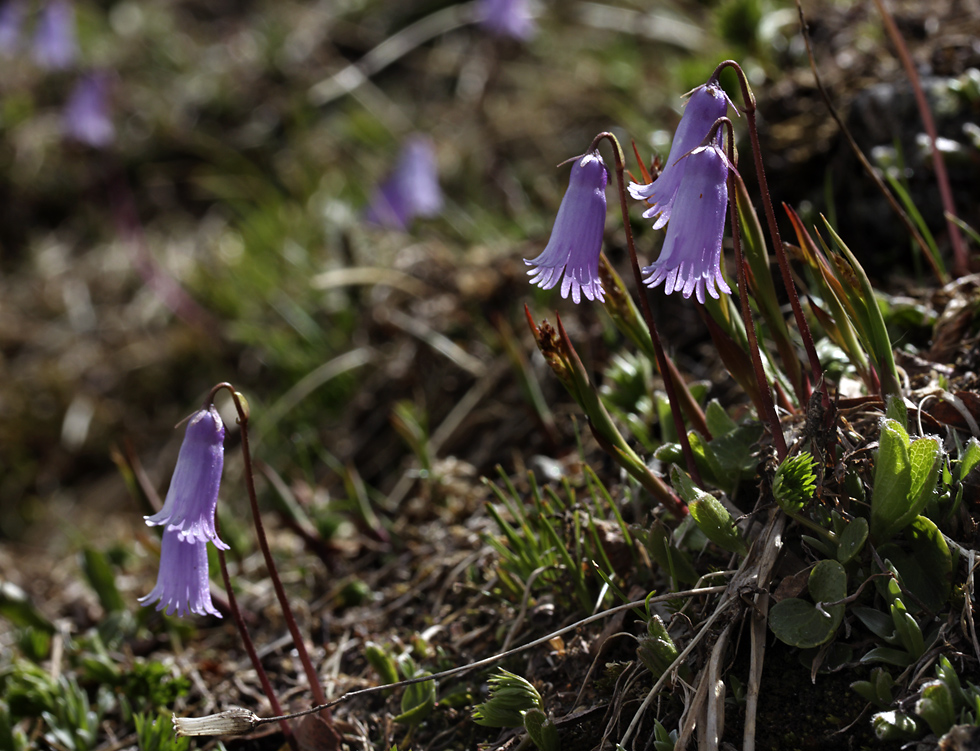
250, 646
672, 377
765, 391
242, 407
961, 264
748, 99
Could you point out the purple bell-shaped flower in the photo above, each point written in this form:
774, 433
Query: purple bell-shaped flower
576, 239
182, 584
690, 260
706, 104
193, 495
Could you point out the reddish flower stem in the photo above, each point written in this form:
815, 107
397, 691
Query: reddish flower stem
311, 674
765, 391
749, 108
250, 646
960, 257
668, 370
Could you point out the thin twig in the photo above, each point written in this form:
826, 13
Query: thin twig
497, 657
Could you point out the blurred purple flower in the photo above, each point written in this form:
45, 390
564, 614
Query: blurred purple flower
690, 260
576, 238
11, 16
706, 104
182, 583
411, 191
54, 39
507, 18
193, 495
86, 116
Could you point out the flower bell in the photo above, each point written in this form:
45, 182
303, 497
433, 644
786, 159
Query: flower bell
576, 239
55, 46
690, 260
411, 191
193, 495
506, 18
86, 118
11, 17
706, 104
182, 584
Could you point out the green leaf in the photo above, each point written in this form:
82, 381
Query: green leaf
936, 707
969, 458
926, 569
417, 701
675, 562
542, 730
926, 457
852, 539
894, 726
892, 482
101, 578
709, 514
719, 422
510, 696
897, 657
802, 624
896, 410
656, 649
383, 663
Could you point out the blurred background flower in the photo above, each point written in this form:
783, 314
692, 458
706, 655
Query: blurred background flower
412, 190
86, 117
508, 18
11, 19
55, 45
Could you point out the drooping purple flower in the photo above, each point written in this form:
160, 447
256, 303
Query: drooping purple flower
86, 116
182, 583
507, 18
706, 104
11, 17
55, 46
576, 238
411, 191
193, 495
690, 260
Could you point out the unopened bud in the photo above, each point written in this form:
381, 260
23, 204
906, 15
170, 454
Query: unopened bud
234, 721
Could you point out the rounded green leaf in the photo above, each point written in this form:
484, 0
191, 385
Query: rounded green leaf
802, 624
852, 539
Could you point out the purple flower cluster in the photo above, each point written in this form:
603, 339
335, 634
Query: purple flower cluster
576, 239
188, 519
692, 188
